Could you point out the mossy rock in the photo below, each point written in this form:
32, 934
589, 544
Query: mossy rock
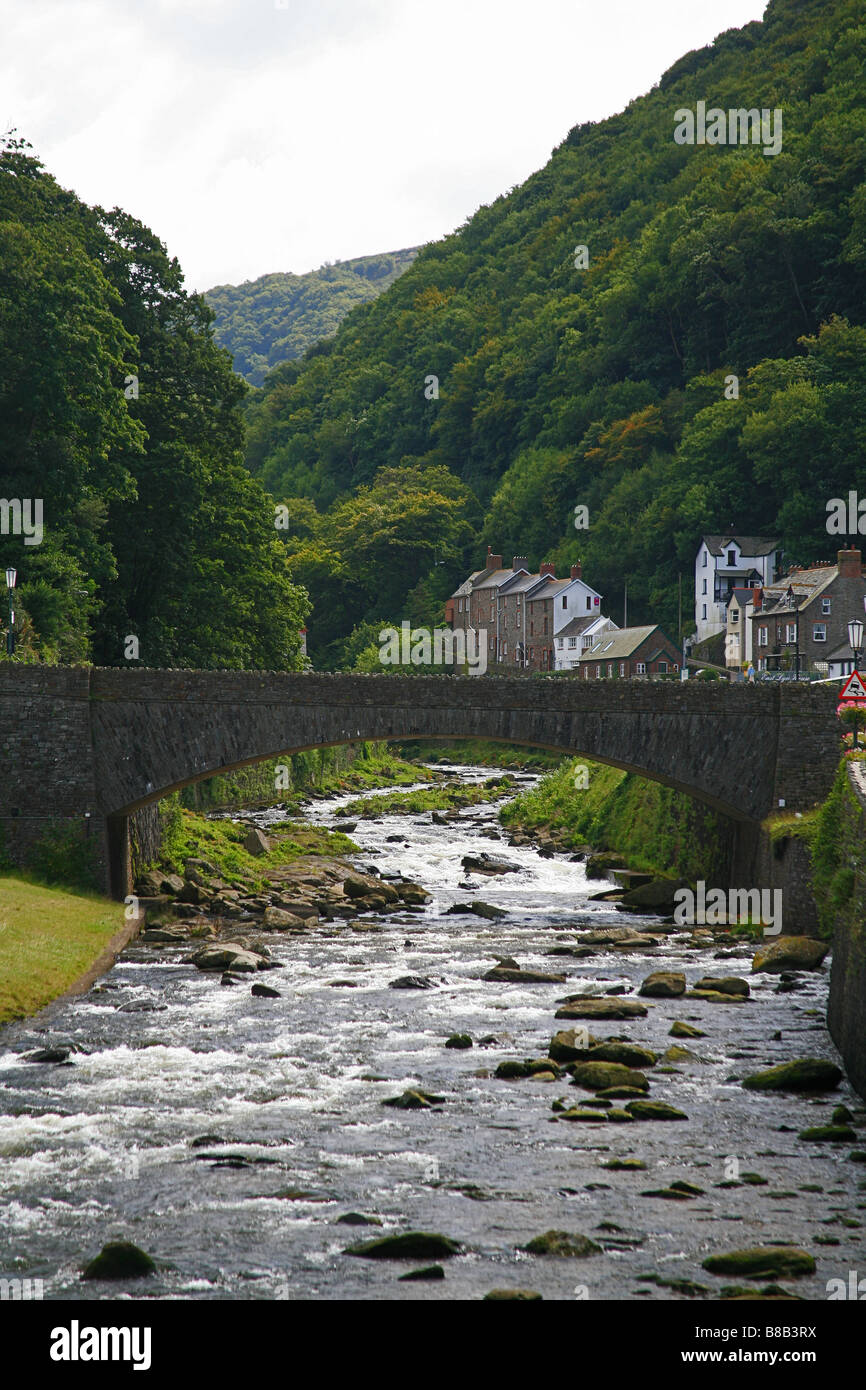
806, 1074
625, 1165
658, 896
654, 1110
563, 1244
668, 1194
120, 1260
664, 984
513, 1296
602, 1076
790, 953
715, 996
414, 1100
431, 1274
584, 1116
512, 1071
619, 1093
599, 865
763, 1262
584, 1007
626, 1054
680, 1054
620, 1117
729, 984
685, 1030
411, 1245
564, 1048
828, 1134
460, 1042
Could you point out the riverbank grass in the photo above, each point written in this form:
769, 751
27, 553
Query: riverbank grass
187, 835
49, 937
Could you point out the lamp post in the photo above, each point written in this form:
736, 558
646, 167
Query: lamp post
855, 639
11, 580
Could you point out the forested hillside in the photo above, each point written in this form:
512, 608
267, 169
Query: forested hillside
603, 386
277, 317
120, 413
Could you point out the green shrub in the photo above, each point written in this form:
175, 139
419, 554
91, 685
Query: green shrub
65, 855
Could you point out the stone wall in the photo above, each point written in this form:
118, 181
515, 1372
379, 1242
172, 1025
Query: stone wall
847, 1011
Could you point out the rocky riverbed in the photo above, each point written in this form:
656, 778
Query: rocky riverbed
442, 1056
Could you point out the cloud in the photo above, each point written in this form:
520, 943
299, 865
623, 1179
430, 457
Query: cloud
254, 136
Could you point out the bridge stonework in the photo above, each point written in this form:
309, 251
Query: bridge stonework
88, 747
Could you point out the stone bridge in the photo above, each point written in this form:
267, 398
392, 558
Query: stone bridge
89, 747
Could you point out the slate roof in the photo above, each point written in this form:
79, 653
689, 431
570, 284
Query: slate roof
749, 545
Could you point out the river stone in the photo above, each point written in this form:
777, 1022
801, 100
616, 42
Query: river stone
730, 984
583, 1007
714, 996
625, 1053
563, 1047
658, 896
413, 894
680, 1054
654, 1110
685, 1030
603, 1076
478, 909
512, 1071
760, 1262
513, 1296
584, 1116
505, 975
488, 864
119, 1259
790, 953
411, 1245
277, 919
414, 1100
226, 956
828, 1134
664, 984
620, 1117
563, 1244
459, 1042
599, 865
807, 1074
413, 982
256, 843
356, 1218
624, 1165
429, 1275
265, 992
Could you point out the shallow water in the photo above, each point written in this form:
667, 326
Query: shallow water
102, 1148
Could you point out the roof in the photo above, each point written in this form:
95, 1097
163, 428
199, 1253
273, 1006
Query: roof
619, 644
749, 545
734, 571
844, 653
806, 584
576, 626
741, 597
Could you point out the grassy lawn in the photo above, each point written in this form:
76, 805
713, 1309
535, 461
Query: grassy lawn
48, 938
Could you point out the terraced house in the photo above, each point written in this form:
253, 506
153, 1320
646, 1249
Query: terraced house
630, 653
802, 620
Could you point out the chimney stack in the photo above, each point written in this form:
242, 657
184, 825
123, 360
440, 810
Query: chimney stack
577, 571
548, 570
850, 564
757, 600
493, 562
520, 562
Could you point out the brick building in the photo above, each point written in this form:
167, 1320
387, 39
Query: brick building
804, 616
630, 653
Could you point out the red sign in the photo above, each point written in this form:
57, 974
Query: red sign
853, 692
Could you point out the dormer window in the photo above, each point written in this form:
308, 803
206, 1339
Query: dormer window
732, 558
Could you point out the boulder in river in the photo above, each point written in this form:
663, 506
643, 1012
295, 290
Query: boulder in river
806, 1074
658, 896
584, 1007
429, 1275
413, 982
414, 1100
664, 984
773, 1262
506, 975
729, 984
790, 953
563, 1244
600, 865
601, 1076
119, 1259
828, 1134
685, 1030
488, 864
277, 919
49, 1055
227, 955
513, 1296
459, 1042
477, 909
654, 1110
411, 1245
265, 992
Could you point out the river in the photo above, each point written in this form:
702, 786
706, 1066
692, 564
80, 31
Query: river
227, 1135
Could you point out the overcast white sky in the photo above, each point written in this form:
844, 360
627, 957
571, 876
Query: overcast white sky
264, 135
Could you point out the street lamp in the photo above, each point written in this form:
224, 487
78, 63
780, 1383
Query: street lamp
855, 640
11, 580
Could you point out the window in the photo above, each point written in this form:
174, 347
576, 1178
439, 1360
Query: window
610, 668
732, 558
572, 642
762, 637
735, 615
559, 642
622, 668
588, 604
705, 559
598, 672
705, 586
564, 601
825, 607
819, 632
662, 668
705, 611
791, 632
641, 668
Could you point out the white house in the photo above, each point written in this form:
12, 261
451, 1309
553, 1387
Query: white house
725, 563
738, 637
576, 638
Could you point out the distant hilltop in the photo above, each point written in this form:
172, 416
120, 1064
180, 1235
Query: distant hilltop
277, 317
